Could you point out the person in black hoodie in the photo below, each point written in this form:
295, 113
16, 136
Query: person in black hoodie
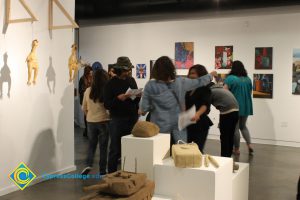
201, 98
123, 109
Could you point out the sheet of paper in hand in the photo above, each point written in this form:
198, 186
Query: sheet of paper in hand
134, 92
184, 118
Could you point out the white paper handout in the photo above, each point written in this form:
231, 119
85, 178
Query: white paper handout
184, 118
134, 92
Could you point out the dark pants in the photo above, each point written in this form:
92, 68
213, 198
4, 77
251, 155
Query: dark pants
118, 127
98, 132
86, 127
198, 137
227, 126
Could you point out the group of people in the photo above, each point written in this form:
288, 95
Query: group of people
111, 112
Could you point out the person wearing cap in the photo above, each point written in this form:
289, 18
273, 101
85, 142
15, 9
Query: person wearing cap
96, 65
123, 110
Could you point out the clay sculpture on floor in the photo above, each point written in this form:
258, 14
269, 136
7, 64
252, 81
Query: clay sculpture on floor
122, 185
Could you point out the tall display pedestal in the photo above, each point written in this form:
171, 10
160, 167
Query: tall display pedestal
194, 183
147, 152
240, 182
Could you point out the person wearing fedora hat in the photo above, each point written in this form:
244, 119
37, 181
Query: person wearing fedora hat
123, 110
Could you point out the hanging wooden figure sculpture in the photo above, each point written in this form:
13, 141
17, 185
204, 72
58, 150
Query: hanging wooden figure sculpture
73, 64
32, 63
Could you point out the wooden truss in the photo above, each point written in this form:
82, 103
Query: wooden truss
8, 20
63, 10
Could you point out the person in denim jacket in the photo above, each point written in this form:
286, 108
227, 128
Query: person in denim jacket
164, 96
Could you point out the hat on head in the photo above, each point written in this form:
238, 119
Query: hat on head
123, 62
97, 65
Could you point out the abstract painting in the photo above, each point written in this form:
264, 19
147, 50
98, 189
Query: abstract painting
296, 72
223, 57
263, 57
141, 71
263, 86
184, 55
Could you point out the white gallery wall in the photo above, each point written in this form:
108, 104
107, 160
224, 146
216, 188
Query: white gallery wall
276, 120
36, 122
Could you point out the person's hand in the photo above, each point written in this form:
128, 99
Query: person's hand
195, 118
139, 95
123, 97
214, 73
140, 112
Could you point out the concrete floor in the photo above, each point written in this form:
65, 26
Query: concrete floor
274, 172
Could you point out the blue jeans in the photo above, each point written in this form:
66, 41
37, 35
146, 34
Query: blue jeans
98, 132
118, 127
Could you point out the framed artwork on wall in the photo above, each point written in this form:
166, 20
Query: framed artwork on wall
141, 71
296, 72
223, 57
184, 55
263, 57
263, 86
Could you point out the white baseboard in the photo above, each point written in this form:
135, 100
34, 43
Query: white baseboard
39, 179
262, 141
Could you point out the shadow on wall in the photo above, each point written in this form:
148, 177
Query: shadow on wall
51, 77
43, 157
65, 126
5, 77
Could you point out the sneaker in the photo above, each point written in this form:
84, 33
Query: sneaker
86, 170
251, 151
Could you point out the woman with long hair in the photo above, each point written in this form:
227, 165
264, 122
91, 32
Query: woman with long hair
240, 85
201, 98
164, 97
97, 120
84, 82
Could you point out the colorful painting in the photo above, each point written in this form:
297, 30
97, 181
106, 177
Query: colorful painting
263, 57
184, 55
141, 71
263, 86
296, 72
220, 79
223, 57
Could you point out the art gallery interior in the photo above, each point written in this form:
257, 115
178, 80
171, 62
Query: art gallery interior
42, 124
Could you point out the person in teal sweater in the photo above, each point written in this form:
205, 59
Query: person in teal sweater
240, 85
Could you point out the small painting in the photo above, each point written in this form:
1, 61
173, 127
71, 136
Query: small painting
263, 86
223, 57
263, 57
141, 71
296, 72
184, 55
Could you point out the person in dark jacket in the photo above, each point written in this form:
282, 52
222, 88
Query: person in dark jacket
122, 107
84, 82
201, 98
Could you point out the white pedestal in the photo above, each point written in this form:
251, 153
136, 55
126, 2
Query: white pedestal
194, 183
147, 151
158, 197
240, 182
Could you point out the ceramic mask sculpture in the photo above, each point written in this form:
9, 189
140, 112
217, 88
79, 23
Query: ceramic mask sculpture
73, 64
32, 63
